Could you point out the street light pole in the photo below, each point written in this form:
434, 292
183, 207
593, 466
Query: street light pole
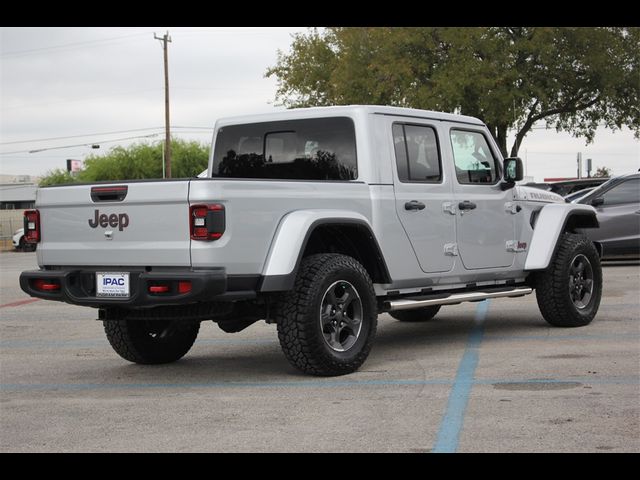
167, 136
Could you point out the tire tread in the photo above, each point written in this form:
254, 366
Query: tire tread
551, 284
298, 338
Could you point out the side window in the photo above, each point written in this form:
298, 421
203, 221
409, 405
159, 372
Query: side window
417, 153
473, 158
626, 192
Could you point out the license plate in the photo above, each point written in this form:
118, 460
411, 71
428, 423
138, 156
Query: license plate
112, 284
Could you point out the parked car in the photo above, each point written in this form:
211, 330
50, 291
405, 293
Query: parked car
617, 203
567, 187
573, 197
19, 242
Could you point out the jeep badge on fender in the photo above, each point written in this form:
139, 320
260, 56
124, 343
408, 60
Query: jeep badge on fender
120, 220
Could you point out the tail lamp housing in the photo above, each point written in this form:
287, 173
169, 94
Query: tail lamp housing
32, 232
207, 221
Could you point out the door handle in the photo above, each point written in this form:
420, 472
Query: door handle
466, 205
414, 205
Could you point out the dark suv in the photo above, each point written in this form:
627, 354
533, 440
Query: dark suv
618, 210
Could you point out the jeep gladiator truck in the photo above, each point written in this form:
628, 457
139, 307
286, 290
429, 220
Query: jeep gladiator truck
317, 220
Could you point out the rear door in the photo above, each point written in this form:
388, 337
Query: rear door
423, 194
485, 220
121, 224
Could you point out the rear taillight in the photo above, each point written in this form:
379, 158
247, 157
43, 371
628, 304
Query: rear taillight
207, 222
32, 226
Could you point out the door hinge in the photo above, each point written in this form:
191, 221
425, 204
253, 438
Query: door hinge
449, 207
451, 249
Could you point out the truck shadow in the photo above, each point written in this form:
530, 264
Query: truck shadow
247, 360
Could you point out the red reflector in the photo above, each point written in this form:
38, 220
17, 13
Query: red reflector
200, 232
158, 288
45, 285
184, 287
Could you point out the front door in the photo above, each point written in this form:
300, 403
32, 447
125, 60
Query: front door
485, 220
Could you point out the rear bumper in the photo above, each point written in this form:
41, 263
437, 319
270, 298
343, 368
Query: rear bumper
78, 287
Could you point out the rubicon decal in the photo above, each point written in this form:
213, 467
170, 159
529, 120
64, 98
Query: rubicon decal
113, 220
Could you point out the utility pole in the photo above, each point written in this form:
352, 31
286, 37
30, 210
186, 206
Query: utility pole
579, 175
167, 135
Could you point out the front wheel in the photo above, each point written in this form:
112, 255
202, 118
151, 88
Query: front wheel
326, 325
569, 290
151, 341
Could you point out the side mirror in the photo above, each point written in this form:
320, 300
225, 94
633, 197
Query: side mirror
597, 201
513, 170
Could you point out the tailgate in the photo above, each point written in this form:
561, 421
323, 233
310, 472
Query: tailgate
121, 224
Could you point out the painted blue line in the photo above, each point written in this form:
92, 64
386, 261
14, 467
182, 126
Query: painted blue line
19, 387
453, 420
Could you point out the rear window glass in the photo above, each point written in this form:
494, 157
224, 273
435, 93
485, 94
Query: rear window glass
310, 149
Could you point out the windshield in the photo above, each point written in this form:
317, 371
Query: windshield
594, 192
310, 149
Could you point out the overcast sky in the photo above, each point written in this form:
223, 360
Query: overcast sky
68, 82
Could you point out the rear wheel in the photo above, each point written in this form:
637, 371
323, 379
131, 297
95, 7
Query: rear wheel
151, 341
569, 290
416, 315
326, 325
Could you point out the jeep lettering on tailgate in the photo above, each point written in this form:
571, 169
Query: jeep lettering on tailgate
120, 220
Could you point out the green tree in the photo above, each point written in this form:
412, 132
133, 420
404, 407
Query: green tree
56, 177
603, 172
574, 79
136, 161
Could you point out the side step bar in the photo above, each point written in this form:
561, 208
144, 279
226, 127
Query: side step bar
453, 298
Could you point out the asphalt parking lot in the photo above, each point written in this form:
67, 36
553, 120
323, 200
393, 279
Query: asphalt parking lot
480, 377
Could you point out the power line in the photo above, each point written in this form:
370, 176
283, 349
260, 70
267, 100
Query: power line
129, 92
115, 132
79, 136
31, 51
84, 99
80, 144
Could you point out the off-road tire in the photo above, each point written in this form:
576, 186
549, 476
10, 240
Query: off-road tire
300, 321
417, 314
560, 303
151, 342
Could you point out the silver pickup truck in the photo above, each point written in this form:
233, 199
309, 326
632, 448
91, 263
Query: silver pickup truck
316, 220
